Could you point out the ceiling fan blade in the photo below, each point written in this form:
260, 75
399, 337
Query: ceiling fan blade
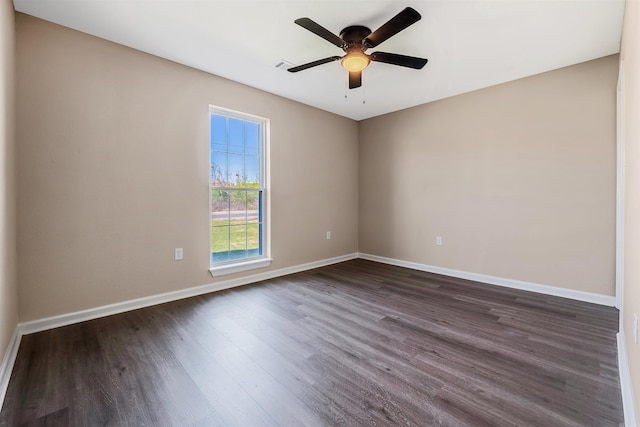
401, 60
313, 64
319, 30
396, 24
355, 79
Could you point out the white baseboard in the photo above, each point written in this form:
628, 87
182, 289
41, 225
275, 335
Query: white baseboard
7, 364
626, 387
499, 281
120, 307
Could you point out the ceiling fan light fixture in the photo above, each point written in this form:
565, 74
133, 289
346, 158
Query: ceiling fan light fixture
355, 61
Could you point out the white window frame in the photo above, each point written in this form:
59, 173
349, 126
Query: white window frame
264, 260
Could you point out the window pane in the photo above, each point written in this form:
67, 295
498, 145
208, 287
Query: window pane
238, 238
238, 202
219, 243
218, 133
236, 169
236, 136
220, 212
253, 239
252, 169
253, 204
252, 138
218, 168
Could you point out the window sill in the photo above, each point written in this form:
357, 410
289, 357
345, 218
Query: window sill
239, 267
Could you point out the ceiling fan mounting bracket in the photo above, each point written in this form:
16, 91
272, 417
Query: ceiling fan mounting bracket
354, 34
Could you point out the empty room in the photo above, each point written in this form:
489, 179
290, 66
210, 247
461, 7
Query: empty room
315, 213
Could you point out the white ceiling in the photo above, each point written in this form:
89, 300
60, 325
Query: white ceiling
470, 44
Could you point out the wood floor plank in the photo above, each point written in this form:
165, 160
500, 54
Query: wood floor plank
357, 343
231, 404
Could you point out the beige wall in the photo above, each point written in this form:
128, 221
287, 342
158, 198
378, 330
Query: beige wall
113, 172
631, 132
518, 179
8, 278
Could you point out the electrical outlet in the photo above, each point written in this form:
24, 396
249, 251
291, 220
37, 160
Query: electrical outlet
178, 254
328, 235
635, 328
438, 240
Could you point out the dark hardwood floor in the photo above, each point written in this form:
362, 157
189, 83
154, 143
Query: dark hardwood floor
353, 344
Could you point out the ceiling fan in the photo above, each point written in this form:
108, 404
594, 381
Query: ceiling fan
356, 39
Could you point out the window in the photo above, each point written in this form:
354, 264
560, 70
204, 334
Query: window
237, 179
